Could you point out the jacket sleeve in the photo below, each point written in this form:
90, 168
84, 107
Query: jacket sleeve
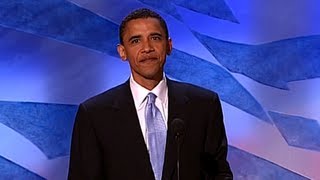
85, 155
214, 160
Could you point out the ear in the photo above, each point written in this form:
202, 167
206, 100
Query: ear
169, 46
122, 52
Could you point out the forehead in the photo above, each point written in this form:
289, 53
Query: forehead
143, 25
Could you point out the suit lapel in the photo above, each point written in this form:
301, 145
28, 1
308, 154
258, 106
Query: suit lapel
177, 108
131, 126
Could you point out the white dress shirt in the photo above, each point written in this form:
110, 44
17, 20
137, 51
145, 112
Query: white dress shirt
140, 93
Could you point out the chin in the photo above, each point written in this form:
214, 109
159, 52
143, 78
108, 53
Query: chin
153, 76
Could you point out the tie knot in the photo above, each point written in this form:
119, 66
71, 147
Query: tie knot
151, 98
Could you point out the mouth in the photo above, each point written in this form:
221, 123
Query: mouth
148, 59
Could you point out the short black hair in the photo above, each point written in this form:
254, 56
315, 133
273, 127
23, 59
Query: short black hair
141, 13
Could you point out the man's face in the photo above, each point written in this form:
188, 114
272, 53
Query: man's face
145, 46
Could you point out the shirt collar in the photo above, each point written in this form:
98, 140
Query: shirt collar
139, 93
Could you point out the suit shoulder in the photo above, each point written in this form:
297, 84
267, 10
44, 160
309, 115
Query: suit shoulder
194, 91
106, 98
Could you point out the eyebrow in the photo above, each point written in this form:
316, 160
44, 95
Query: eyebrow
139, 36
156, 34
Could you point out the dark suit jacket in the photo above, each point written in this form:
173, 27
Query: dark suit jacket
107, 141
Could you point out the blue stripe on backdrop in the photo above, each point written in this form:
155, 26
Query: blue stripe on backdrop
215, 8
61, 20
35, 140
298, 131
257, 168
283, 61
10, 170
48, 126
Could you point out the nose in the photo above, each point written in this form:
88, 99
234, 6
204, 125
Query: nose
147, 46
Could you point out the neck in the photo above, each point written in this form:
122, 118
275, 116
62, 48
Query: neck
148, 83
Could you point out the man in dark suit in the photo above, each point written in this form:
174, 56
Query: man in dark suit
112, 136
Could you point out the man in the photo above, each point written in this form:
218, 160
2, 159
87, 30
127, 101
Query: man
126, 132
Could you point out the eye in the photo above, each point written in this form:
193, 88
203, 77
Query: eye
156, 38
134, 41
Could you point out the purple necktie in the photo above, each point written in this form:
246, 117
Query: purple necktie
157, 132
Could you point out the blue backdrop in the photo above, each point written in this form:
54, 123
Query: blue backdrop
262, 57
